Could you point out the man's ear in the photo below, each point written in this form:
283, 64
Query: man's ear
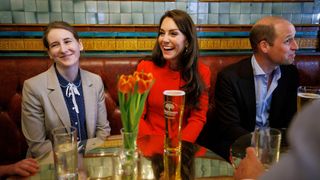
264, 46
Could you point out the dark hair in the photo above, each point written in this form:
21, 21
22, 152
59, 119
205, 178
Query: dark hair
188, 62
58, 25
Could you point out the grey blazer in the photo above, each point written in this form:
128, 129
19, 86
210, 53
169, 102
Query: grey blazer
44, 108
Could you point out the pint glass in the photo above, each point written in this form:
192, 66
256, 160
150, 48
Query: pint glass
267, 144
173, 113
65, 152
307, 94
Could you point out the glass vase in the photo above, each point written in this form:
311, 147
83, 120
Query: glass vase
129, 140
126, 160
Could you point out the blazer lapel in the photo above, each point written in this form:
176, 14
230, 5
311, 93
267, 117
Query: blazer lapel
247, 89
56, 97
89, 102
279, 98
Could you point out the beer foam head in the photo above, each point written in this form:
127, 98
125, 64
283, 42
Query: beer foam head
174, 93
309, 95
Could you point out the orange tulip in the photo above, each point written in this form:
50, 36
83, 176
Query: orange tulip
144, 81
132, 93
126, 83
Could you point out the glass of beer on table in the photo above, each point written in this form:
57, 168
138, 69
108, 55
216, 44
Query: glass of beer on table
173, 113
307, 94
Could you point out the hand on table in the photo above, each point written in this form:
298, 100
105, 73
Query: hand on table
26, 167
250, 167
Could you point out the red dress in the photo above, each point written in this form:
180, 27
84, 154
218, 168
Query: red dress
152, 119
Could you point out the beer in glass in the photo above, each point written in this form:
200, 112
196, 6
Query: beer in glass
307, 94
173, 113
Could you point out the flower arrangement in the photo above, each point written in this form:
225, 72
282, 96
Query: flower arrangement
132, 92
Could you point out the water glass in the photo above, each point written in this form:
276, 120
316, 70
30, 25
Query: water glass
267, 144
65, 152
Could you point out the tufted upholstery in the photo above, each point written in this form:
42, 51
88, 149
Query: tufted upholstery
14, 70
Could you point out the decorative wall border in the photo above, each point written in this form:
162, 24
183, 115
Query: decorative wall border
141, 38
142, 44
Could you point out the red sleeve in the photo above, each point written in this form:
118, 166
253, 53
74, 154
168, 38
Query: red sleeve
198, 118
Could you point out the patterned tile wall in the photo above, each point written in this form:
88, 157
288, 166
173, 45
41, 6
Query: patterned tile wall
139, 12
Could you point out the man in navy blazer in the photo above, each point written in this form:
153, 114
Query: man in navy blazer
260, 91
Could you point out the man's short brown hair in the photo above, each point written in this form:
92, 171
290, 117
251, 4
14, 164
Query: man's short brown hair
264, 29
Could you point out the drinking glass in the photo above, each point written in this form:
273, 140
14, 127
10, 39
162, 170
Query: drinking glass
307, 94
65, 152
125, 164
98, 166
173, 113
267, 144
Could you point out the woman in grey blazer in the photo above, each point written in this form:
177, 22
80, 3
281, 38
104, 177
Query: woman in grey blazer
64, 95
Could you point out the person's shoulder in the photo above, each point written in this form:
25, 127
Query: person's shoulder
145, 65
145, 62
36, 84
90, 76
289, 68
289, 72
234, 68
204, 69
37, 78
239, 64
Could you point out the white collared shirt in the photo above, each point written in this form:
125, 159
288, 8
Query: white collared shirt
263, 94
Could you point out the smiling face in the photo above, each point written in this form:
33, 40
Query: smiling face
63, 48
172, 41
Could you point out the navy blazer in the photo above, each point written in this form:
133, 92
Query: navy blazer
235, 113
